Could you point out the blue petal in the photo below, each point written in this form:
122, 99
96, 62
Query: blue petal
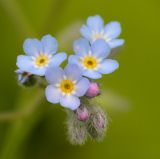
116, 43
73, 72
113, 30
108, 66
85, 32
32, 47
95, 23
24, 62
73, 59
38, 71
92, 74
53, 94
49, 44
81, 46
22, 79
54, 75
19, 71
81, 87
100, 48
58, 59
70, 101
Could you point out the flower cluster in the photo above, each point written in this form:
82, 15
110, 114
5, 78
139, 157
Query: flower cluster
75, 85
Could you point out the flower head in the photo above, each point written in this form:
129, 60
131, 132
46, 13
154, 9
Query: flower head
66, 86
95, 29
40, 55
92, 58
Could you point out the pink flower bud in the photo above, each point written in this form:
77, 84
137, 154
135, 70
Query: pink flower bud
82, 113
93, 90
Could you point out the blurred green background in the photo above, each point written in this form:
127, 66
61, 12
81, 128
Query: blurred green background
40, 132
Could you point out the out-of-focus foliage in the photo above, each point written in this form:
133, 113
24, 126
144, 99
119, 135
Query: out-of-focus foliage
40, 132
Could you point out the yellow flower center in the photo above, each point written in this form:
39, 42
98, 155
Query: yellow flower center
89, 62
98, 36
42, 60
66, 86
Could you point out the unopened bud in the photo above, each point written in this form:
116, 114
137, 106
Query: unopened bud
25, 78
99, 121
77, 131
93, 90
82, 113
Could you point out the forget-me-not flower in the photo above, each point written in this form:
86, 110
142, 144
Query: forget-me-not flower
40, 55
66, 86
92, 58
95, 29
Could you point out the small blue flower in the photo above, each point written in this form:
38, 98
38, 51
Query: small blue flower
22, 76
66, 86
40, 55
95, 29
92, 58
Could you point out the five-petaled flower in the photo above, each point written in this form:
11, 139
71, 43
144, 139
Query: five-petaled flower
40, 55
95, 29
66, 86
92, 58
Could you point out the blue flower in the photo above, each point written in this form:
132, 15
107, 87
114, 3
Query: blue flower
22, 76
40, 55
92, 58
66, 86
95, 29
